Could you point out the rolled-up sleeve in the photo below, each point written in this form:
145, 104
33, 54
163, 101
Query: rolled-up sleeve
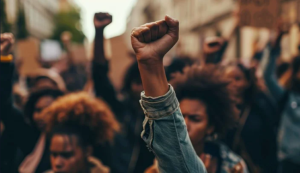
165, 134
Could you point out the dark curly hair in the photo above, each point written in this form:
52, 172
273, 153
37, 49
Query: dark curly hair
211, 87
92, 116
34, 97
132, 76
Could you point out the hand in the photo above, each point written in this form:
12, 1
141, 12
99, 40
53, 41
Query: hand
153, 40
101, 20
212, 45
66, 37
283, 26
209, 162
6, 43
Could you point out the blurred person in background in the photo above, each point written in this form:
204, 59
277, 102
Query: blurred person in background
73, 73
45, 78
288, 100
27, 136
76, 123
209, 110
130, 155
254, 138
215, 47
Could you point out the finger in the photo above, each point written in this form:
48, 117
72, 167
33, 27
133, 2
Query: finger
136, 32
146, 34
238, 168
162, 28
213, 165
4, 37
207, 160
154, 31
4, 47
173, 26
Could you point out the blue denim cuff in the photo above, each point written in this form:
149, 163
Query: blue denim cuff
158, 107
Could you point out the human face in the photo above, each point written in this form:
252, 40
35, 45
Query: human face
66, 155
41, 104
196, 119
45, 83
238, 82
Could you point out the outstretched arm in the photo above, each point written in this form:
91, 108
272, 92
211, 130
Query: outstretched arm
164, 129
270, 75
100, 66
21, 133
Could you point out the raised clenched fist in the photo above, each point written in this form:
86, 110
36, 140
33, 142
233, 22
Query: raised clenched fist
6, 43
101, 20
153, 40
212, 45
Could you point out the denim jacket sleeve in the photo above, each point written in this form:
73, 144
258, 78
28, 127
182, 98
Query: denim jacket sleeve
165, 134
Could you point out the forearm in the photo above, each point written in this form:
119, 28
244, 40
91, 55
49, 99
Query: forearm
6, 81
270, 76
154, 79
99, 53
70, 55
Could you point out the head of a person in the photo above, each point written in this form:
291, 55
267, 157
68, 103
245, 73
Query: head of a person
294, 84
206, 102
70, 148
76, 123
37, 101
244, 82
45, 78
132, 85
177, 66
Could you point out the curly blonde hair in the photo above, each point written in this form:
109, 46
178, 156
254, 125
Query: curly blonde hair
85, 112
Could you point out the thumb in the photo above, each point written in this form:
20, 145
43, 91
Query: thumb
173, 26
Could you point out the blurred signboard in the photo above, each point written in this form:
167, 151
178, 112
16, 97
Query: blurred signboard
50, 50
259, 13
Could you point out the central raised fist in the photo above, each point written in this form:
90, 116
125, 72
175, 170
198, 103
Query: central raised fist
152, 41
101, 20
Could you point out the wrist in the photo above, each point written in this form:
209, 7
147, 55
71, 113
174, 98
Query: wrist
6, 58
99, 30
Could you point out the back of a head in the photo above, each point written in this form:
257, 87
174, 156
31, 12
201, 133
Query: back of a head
81, 111
34, 97
45, 78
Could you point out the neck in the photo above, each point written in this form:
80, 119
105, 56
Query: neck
199, 148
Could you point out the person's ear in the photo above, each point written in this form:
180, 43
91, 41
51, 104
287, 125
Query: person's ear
210, 130
89, 151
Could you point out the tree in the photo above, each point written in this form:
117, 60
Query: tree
68, 21
22, 32
5, 26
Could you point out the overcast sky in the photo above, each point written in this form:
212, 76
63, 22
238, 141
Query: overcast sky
120, 9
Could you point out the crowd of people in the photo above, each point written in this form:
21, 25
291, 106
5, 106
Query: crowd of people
192, 115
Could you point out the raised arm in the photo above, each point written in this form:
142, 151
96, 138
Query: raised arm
100, 66
66, 40
15, 126
270, 75
164, 129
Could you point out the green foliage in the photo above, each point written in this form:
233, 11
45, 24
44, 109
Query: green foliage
22, 32
68, 21
5, 26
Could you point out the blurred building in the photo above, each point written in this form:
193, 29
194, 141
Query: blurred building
198, 19
201, 18
38, 14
